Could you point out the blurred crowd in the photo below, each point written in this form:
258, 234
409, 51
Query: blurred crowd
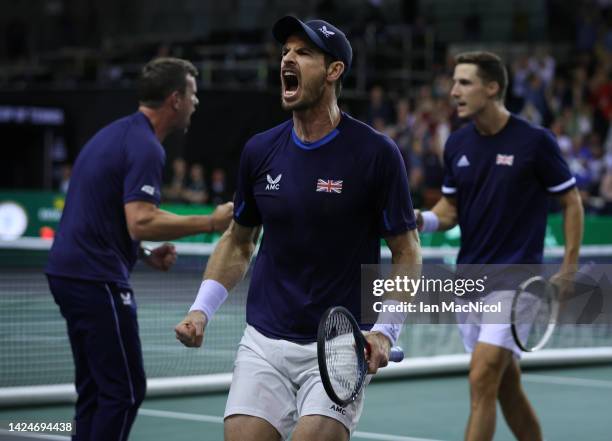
567, 91
190, 185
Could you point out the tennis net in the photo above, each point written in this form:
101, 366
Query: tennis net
36, 361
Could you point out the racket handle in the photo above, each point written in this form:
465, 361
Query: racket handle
396, 354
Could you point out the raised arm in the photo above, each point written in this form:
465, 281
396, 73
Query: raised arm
145, 221
225, 269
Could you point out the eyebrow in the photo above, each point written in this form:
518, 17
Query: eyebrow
301, 46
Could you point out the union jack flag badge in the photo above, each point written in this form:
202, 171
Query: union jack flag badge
504, 160
329, 186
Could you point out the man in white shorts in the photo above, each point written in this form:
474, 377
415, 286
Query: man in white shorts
499, 172
325, 187
492, 326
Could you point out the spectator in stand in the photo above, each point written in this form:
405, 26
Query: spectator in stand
401, 131
441, 85
66, 172
596, 163
197, 190
520, 73
424, 100
579, 120
378, 106
441, 118
543, 65
218, 187
433, 169
564, 141
605, 188
416, 173
561, 95
579, 87
601, 100
535, 95
178, 181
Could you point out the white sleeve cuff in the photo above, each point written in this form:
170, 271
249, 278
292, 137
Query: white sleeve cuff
390, 323
563, 186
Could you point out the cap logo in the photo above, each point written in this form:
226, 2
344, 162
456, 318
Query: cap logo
325, 32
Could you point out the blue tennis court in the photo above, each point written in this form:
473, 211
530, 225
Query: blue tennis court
572, 404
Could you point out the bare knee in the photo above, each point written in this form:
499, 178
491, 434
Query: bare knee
321, 428
483, 382
249, 428
486, 371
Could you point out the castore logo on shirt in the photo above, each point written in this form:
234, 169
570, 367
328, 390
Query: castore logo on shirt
273, 184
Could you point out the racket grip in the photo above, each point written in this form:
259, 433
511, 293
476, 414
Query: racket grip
396, 354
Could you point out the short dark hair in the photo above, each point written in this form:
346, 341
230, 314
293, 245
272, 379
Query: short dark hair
490, 68
162, 76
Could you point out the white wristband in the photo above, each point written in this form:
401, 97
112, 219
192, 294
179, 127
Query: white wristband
431, 222
210, 297
390, 323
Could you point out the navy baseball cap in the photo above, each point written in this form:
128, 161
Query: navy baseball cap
325, 36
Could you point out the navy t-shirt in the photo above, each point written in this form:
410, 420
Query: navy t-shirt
123, 162
324, 207
501, 184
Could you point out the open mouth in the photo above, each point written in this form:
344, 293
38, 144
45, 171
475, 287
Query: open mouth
291, 83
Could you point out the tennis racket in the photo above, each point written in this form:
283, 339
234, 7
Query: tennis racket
341, 351
535, 310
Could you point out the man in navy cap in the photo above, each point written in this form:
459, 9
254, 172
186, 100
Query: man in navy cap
326, 188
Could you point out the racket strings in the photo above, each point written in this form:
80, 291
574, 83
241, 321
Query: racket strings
346, 370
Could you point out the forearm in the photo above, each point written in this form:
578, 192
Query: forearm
573, 225
407, 263
230, 260
406, 259
160, 225
447, 215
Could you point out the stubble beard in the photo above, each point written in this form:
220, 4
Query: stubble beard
311, 96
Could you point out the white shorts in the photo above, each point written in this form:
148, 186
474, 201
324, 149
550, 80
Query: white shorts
493, 329
279, 381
